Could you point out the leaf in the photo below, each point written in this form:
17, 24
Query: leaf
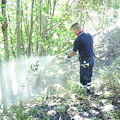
2, 19
3, 5
45, 7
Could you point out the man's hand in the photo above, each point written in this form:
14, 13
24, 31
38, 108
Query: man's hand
66, 58
72, 54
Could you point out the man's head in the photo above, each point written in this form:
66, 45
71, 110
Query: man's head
76, 28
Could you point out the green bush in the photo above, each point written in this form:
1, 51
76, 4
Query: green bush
111, 77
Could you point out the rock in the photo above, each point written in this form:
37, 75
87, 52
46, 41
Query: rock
94, 112
116, 103
107, 107
51, 112
77, 117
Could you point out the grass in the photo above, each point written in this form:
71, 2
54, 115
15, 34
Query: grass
71, 91
111, 78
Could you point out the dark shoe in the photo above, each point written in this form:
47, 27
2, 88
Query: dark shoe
90, 91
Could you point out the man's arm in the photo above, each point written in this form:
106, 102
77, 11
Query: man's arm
75, 47
71, 54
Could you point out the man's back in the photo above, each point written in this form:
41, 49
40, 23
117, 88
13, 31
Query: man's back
84, 44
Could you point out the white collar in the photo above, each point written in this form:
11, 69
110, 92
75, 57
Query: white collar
81, 33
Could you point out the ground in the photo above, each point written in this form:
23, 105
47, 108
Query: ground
66, 100
74, 104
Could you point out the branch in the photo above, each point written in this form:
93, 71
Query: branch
94, 25
61, 17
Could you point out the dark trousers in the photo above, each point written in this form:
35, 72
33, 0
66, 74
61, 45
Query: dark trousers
86, 69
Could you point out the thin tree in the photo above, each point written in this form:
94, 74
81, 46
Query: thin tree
18, 16
4, 30
3, 87
31, 30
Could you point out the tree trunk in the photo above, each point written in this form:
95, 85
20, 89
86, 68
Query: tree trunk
22, 42
31, 30
4, 30
11, 39
40, 17
3, 87
54, 4
18, 29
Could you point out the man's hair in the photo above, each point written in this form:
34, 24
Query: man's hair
76, 26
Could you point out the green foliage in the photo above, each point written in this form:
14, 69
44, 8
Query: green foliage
2, 5
34, 67
60, 37
115, 4
74, 88
97, 2
111, 78
2, 19
22, 113
34, 111
115, 114
45, 7
60, 109
17, 112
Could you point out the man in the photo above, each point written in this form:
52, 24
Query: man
84, 45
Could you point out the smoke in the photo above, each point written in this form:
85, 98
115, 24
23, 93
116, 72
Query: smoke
29, 78
20, 78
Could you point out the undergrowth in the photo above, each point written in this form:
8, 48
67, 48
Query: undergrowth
111, 77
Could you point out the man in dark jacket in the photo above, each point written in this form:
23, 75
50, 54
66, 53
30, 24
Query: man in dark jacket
84, 45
